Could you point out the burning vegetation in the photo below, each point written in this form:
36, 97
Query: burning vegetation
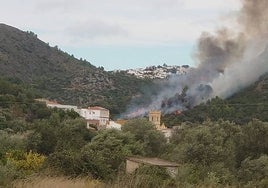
228, 61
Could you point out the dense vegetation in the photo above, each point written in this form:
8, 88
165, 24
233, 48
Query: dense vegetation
220, 143
60, 76
51, 142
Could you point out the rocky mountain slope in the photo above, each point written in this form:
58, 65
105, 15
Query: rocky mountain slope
60, 76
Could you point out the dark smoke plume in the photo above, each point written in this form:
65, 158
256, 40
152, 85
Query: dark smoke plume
229, 60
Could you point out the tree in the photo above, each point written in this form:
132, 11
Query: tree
153, 141
255, 171
104, 154
10, 142
72, 135
43, 139
207, 152
67, 162
219, 109
253, 142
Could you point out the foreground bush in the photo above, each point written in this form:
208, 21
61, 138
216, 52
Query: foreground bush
27, 163
255, 171
145, 176
8, 173
103, 156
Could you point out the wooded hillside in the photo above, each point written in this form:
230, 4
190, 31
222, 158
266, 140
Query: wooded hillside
60, 76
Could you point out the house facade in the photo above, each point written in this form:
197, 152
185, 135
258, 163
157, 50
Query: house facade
96, 115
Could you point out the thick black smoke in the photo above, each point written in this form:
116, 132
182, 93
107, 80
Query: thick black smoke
229, 60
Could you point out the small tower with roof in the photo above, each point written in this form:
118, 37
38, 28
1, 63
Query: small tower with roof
155, 118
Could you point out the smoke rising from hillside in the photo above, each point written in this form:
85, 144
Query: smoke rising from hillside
229, 60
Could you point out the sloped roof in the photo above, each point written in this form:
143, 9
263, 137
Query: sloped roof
46, 101
96, 108
153, 161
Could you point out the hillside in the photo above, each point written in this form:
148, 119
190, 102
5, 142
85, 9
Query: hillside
60, 76
57, 75
38, 143
250, 103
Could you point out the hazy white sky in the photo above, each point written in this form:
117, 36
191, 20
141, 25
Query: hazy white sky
120, 34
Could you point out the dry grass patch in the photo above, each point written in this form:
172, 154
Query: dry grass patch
57, 182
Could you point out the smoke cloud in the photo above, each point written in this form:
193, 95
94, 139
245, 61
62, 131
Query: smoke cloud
229, 60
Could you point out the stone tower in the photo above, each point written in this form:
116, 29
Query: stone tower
155, 118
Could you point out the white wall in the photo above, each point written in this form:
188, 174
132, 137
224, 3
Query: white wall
64, 107
94, 114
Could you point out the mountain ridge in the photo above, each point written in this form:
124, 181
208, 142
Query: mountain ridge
60, 76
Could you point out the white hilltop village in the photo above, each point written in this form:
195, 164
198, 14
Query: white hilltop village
158, 72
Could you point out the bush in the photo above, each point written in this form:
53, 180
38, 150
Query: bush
107, 151
27, 163
146, 176
8, 173
254, 170
154, 142
10, 142
66, 162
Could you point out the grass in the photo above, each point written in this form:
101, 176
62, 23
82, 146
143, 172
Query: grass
57, 182
65, 182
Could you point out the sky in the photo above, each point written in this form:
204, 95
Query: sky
122, 34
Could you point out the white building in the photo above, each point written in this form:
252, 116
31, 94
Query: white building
114, 125
54, 104
95, 116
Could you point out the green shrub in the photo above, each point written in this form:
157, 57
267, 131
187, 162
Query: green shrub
254, 171
25, 162
145, 176
8, 173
